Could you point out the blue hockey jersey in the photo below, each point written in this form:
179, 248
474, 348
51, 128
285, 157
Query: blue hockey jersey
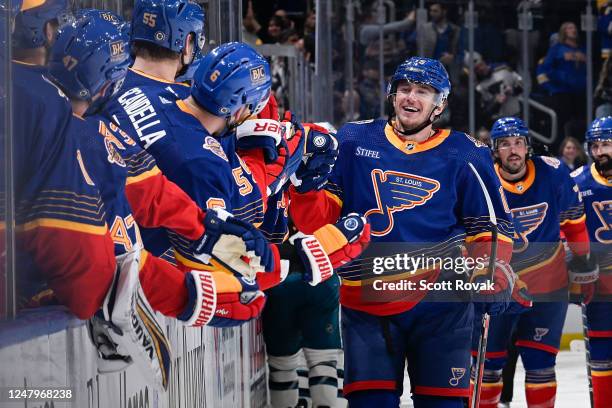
596, 192
543, 203
211, 174
61, 230
420, 199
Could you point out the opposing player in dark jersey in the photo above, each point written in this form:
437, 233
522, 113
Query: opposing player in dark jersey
544, 201
595, 184
417, 186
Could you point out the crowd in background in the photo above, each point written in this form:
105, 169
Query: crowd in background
556, 48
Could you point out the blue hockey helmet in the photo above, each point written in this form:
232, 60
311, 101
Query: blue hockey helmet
600, 129
424, 71
34, 15
231, 76
167, 23
507, 127
91, 55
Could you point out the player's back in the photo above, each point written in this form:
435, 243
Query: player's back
138, 79
55, 203
113, 160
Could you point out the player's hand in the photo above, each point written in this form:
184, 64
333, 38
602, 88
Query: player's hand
331, 246
321, 151
290, 152
235, 243
521, 299
583, 273
264, 134
345, 240
220, 299
497, 300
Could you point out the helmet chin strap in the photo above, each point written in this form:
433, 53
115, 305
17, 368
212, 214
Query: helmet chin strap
415, 130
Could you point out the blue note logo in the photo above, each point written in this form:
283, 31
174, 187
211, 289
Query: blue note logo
396, 191
457, 375
603, 210
526, 220
540, 332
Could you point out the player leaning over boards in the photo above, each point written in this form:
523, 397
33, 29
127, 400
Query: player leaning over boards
415, 185
166, 37
595, 183
88, 62
544, 201
185, 136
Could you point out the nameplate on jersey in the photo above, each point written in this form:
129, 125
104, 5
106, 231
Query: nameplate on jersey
526, 220
397, 191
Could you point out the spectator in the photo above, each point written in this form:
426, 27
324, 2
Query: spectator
440, 37
369, 90
276, 26
484, 136
497, 87
603, 91
604, 26
571, 153
250, 27
562, 75
346, 101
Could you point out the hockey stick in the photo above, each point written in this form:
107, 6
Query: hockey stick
484, 329
585, 332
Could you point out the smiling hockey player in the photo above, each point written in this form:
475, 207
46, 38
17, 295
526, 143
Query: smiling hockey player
416, 186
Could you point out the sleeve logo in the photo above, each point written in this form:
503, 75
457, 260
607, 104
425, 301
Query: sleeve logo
210, 143
396, 191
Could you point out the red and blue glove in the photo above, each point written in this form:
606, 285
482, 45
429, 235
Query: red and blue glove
330, 247
583, 273
220, 299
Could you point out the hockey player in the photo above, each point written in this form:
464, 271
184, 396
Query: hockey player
416, 186
35, 29
544, 201
48, 179
90, 57
166, 38
595, 184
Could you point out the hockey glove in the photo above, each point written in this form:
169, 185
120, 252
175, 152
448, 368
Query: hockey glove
521, 299
290, 152
321, 151
220, 299
265, 134
331, 246
495, 300
126, 329
583, 273
235, 243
